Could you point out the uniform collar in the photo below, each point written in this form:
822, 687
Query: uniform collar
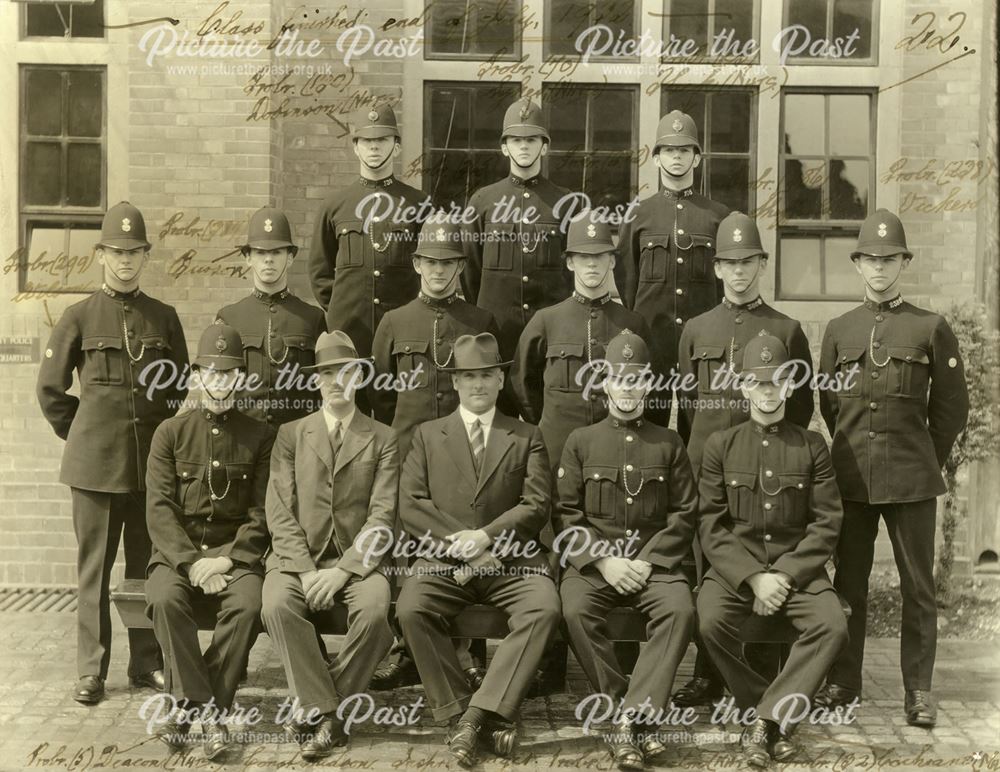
377, 183
686, 193
437, 302
760, 428
871, 305
584, 300
216, 418
271, 297
618, 423
756, 303
525, 183
116, 295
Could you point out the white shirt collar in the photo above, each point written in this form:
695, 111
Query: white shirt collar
486, 419
332, 421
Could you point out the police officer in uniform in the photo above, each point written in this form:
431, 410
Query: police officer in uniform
893, 425
625, 515
710, 352
110, 339
360, 259
205, 487
279, 330
571, 336
667, 248
769, 516
515, 256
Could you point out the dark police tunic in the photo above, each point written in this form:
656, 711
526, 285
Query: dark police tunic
279, 333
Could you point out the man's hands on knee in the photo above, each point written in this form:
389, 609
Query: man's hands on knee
320, 586
624, 575
210, 574
468, 544
770, 590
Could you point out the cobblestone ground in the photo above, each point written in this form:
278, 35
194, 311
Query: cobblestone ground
41, 727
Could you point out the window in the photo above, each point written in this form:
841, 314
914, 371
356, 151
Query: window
567, 19
593, 130
62, 182
829, 31
463, 29
827, 164
462, 127
64, 20
726, 121
721, 29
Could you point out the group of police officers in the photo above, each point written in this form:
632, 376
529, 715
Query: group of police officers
277, 497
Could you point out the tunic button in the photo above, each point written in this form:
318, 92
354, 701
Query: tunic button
215, 430
440, 395
406, 348
125, 307
204, 547
629, 438
593, 314
376, 219
871, 435
800, 486
768, 473
244, 477
680, 231
660, 478
440, 340
628, 467
875, 375
732, 483
679, 320
680, 261
527, 194
593, 341
738, 320
272, 334
269, 417
562, 353
767, 537
765, 443
524, 279
376, 274
215, 464
768, 506
184, 474
680, 206
135, 420
343, 230
273, 310
877, 344
208, 519
375, 301
649, 244
100, 344
878, 318
628, 500
597, 476
135, 391
680, 291
628, 531
908, 358
525, 250
525, 306
873, 405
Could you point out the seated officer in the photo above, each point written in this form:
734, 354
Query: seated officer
769, 519
475, 489
205, 484
625, 517
334, 481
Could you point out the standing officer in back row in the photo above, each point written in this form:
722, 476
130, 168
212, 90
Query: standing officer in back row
109, 339
279, 330
902, 404
667, 248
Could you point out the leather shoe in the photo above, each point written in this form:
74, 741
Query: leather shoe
755, 743
216, 739
651, 745
502, 738
173, 732
395, 675
462, 742
151, 680
475, 676
835, 696
782, 747
698, 691
622, 744
329, 734
919, 708
89, 690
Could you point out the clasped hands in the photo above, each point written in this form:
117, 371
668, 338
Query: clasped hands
210, 574
321, 585
770, 590
624, 575
470, 546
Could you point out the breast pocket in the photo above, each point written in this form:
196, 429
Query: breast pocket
498, 247
707, 361
239, 477
849, 370
562, 361
412, 356
155, 345
655, 500
909, 371
697, 253
793, 497
102, 363
401, 245
298, 350
654, 251
256, 356
351, 240
189, 479
740, 487
548, 246
600, 491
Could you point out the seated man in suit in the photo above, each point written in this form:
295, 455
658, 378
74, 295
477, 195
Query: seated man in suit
333, 487
769, 520
475, 491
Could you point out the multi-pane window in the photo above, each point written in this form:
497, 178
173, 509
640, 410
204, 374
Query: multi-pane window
827, 163
593, 130
63, 159
473, 29
463, 123
567, 20
64, 20
726, 120
720, 29
829, 31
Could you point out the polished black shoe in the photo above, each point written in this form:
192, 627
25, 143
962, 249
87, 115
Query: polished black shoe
919, 709
216, 739
834, 696
501, 738
782, 747
475, 676
395, 675
89, 690
173, 733
698, 691
650, 744
623, 746
300, 731
755, 743
462, 741
327, 735
151, 680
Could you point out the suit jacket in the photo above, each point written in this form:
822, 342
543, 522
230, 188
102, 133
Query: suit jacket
440, 493
321, 512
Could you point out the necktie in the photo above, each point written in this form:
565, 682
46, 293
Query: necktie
478, 445
336, 439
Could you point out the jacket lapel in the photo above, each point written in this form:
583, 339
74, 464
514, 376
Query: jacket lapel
356, 437
318, 439
457, 442
497, 445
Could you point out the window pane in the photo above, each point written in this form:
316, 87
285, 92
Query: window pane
488, 108
88, 20
85, 104
809, 13
687, 101
688, 20
841, 278
799, 266
483, 28
611, 119
449, 111
45, 20
566, 169
848, 189
737, 16
609, 180
729, 182
445, 176
803, 189
44, 97
851, 15
567, 115
80, 272
83, 171
569, 18
43, 180
850, 128
730, 122
804, 124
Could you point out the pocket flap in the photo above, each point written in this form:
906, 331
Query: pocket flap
600, 473
650, 240
741, 480
654, 474
239, 471
702, 240
409, 347
101, 342
299, 341
849, 354
190, 470
708, 352
252, 341
909, 354
155, 340
349, 226
797, 480
563, 350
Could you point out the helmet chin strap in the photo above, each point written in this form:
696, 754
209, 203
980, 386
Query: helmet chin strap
634, 412
452, 281
683, 174
228, 395
115, 273
284, 271
755, 275
604, 277
513, 160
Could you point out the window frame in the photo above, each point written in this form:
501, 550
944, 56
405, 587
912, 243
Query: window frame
23, 25
810, 61
592, 6
706, 58
439, 56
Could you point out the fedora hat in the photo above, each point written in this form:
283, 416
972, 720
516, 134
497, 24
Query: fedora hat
475, 352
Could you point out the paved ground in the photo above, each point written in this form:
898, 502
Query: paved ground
42, 728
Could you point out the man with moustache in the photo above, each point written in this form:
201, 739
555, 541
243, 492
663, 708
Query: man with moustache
769, 517
626, 495
562, 340
476, 489
279, 330
109, 339
893, 426
667, 248
205, 486
331, 505
515, 247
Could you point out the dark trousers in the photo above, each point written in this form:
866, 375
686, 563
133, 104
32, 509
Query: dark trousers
190, 674
665, 600
911, 532
703, 665
823, 632
99, 520
428, 603
289, 622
